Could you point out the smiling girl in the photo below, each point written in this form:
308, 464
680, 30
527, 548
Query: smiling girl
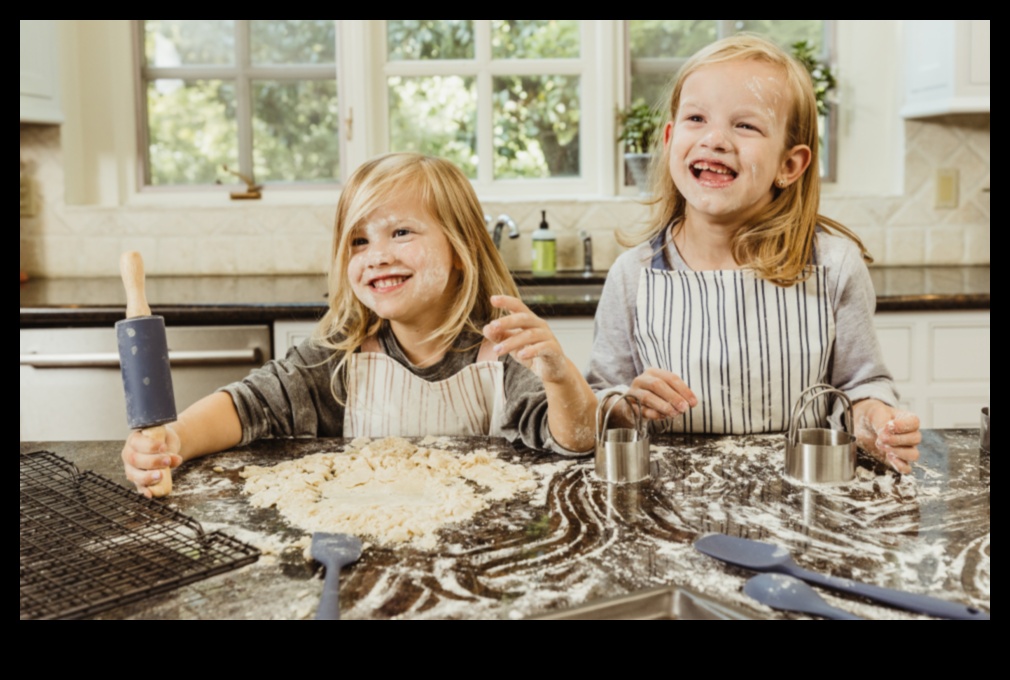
740, 295
425, 335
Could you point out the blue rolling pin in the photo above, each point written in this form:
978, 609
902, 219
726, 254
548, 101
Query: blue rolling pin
143, 357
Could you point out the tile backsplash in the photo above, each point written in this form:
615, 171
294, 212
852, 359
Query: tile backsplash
62, 240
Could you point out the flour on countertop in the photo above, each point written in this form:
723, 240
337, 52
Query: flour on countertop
390, 490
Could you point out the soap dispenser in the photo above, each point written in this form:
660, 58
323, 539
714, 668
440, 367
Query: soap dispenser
545, 249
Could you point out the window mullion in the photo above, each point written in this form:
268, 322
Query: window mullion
485, 103
243, 96
360, 82
538, 67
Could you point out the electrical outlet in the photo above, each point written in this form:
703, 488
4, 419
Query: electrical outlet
947, 189
27, 197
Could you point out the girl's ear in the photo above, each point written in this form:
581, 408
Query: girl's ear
667, 133
794, 163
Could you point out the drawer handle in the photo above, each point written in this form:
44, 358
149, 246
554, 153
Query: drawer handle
176, 359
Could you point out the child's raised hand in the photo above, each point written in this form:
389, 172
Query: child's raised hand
144, 458
662, 394
528, 339
891, 436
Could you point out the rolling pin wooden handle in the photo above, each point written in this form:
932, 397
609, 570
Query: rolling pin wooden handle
131, 267
164, 487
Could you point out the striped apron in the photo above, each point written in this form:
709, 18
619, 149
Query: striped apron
384, 399
746, 347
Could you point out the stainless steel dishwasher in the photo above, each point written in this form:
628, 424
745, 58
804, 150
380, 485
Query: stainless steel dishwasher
71, 387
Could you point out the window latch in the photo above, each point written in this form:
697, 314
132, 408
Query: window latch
252, 190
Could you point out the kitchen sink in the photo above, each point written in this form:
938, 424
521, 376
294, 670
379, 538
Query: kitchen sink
665, 604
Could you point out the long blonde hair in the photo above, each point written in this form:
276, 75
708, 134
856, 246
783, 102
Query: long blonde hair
779, 244
448, 196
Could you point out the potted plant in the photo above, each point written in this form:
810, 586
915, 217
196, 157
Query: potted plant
820, 73
637, 126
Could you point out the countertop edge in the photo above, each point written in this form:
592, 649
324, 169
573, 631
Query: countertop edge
215, 315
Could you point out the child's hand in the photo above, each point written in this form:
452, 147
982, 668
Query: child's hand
528, 339
144, 458
662, 394
889, 435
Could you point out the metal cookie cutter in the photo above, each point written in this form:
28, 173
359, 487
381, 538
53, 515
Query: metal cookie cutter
984, 436
622, 454
819, 455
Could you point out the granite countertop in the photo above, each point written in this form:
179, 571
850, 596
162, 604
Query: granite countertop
216, 300
576, 541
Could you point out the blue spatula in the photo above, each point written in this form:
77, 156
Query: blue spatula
334, 552
767, 558
788, 594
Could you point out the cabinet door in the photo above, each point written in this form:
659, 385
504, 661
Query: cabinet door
575, 335
40, 90
288, 334
946, 67
929, 57
940, 364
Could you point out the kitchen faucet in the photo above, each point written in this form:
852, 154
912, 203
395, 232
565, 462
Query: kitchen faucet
499, 225
587, 252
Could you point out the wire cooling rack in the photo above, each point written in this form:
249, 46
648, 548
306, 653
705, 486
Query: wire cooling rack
89, 544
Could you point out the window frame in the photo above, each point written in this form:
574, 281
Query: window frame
243, 73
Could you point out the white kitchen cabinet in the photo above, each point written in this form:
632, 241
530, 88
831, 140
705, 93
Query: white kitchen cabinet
575, 334
40, 75
940, 363
946, 67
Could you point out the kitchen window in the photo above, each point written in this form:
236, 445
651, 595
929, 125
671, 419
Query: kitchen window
503, 99
525, 107
506, 100
256, 98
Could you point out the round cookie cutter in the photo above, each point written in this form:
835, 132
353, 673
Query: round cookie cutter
622, 453
821, 455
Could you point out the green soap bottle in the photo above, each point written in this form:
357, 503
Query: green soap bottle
545, 249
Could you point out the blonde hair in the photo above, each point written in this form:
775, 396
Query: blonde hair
448, 196
779, 244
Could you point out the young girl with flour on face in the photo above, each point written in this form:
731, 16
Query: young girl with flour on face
740, 296
425, 335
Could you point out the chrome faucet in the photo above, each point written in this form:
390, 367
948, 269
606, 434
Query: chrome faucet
587, 252
499, 225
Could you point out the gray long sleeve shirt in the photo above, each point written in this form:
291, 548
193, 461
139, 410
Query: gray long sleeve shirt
297, 397
857, 366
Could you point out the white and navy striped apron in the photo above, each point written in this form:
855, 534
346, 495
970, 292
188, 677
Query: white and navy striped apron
384, 399
746, 347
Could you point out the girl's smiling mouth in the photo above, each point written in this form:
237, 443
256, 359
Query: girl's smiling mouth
711, 173
388, 283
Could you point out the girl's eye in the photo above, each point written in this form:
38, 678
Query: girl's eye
358, 242
695, 119
399, 233
748, 126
